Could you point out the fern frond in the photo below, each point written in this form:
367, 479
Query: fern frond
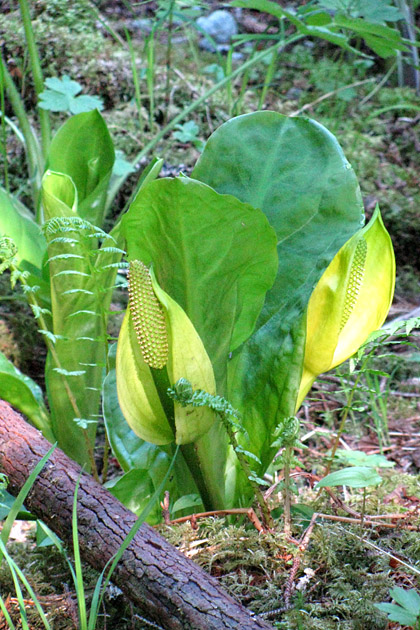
71, 291
84, 312
53, 338
64, 239
68, 372
117, 265
111, 250
8, 251
38, 311
183, 393
63, 257
58, 225
71, 272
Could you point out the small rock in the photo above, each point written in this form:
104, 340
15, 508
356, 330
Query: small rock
220, 25
144, 25
294, 94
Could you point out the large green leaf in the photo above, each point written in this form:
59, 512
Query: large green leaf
136, 487
354, 477
24, 394
294, 170
16, 223
306, 29
211, 253
82, 148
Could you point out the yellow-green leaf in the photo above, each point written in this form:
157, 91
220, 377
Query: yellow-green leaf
187, 359
137, 394
350, 301
59, 195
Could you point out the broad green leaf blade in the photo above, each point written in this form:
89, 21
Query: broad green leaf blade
383, 40
315, 31
24, 394
360, 458
137, 393
214, 255
295, 171
351, 300
17, 224
82, 149
59, 195
186, 502
136, 487
354, 477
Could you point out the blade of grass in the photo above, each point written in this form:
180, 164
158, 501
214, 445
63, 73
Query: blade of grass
79, 584
44, 118
190, 108
150, 75
26, 584
137, 91
6, 615
17, 505
100, 588
57, 542
19, 594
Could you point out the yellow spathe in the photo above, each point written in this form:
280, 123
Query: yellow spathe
351, 300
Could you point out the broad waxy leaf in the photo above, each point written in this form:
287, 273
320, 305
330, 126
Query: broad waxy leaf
354, 477
351, 300
82, 149
214, 255
293, 170
136, 487
24, 394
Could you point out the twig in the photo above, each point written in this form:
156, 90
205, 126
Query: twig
303, 544
328, 95
249, 512
165, 509
357, 521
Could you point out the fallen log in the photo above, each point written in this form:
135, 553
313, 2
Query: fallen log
168, 587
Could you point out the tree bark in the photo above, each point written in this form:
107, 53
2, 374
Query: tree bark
168, 587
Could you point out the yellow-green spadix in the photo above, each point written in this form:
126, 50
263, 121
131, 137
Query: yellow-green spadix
156, 332
350, 301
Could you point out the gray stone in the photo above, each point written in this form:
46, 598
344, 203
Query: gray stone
144, 25
221, 25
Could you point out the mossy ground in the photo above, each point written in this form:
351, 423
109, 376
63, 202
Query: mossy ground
347, 575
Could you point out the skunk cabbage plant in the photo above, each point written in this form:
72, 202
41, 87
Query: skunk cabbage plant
351, 300
259, 276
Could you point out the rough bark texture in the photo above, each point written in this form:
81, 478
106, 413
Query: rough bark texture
167, 586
